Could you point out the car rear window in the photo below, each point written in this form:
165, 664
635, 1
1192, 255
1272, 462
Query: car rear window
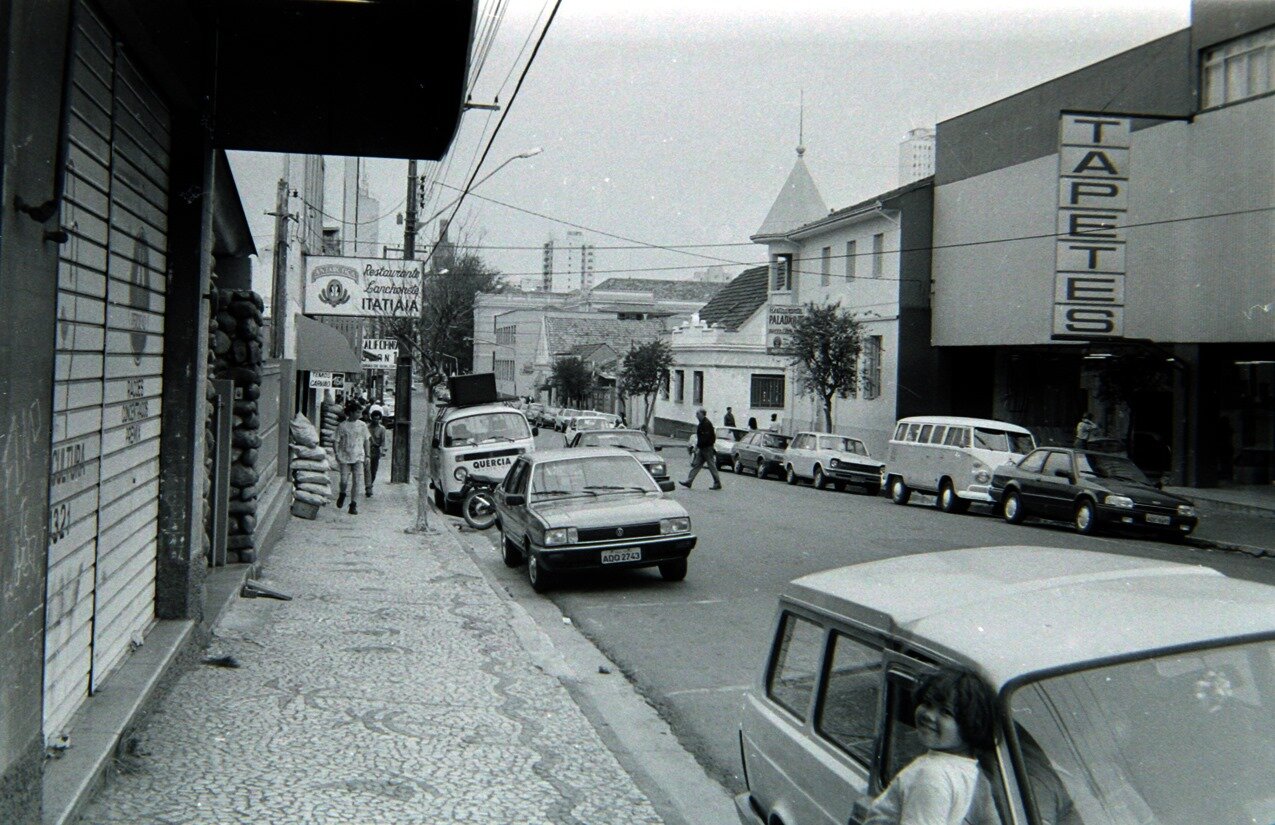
796, 664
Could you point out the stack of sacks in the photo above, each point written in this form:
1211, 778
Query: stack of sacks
311, 485
330, 416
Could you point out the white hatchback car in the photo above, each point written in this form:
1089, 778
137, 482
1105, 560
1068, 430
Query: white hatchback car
827, 458
1128, 690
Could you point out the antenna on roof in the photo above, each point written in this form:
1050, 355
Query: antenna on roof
801, 124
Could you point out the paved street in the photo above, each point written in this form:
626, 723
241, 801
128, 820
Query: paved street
692, 647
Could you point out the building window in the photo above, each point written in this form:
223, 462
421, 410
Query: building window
679, 386
781, 272
878, 255
504, 370
506, 335
825, 266
697, 387
872, 367
768, 392
1239, 70
851, 252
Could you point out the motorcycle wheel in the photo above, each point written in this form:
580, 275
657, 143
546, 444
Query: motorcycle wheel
479, 509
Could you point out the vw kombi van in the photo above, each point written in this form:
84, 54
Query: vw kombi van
483, 438
951, 458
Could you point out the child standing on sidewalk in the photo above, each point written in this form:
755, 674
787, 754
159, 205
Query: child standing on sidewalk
376, 449
351, 445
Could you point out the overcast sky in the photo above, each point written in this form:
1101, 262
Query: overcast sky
675, 122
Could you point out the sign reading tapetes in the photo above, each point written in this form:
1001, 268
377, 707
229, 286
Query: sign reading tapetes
368, 287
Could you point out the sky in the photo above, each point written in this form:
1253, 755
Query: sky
675, 124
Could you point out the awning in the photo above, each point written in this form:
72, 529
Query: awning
321, 348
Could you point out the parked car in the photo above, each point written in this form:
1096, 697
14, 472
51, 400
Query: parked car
726, 439
1128, 690
829, 458
589, 508
951, 458
760, 452
1090, 489
585, 421
534, 412
563, 416
633, 441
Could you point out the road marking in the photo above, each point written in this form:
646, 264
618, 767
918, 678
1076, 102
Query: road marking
721, 689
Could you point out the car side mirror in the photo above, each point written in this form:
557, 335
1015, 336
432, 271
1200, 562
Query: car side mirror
667, 485
659, 448
535, 431
434, 443
515, 500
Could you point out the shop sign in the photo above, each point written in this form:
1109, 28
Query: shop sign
1093, 206
781, 320
380, 353
365, 287
327, 380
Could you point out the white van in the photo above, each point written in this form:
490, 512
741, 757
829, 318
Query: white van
483, 439
952, 458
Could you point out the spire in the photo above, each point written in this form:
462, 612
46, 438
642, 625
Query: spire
801, 124
799, 202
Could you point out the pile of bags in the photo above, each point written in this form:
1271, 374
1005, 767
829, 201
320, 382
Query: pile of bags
330, 416
311, 484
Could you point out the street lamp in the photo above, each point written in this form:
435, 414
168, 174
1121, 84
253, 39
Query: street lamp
530, 153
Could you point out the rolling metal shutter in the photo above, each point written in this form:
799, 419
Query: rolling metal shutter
104, 485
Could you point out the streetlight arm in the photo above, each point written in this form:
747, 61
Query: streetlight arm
527, 154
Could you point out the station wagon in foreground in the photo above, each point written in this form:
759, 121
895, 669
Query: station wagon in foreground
1129, 691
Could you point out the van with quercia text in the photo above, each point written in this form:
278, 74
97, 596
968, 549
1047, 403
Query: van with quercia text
951, 458
474, 434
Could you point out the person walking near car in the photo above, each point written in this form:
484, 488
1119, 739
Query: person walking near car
705, 437
774, 422
351, 445
1085, 430
728, 419
376, 449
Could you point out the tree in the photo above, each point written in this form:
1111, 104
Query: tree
645, 372
826, 343
572, 379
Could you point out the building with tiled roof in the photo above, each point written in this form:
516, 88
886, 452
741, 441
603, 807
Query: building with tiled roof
662, 290
736, 302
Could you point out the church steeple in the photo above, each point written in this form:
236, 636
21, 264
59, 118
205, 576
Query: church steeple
799, 201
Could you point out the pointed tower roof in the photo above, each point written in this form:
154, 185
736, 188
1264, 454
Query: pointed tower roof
799, 202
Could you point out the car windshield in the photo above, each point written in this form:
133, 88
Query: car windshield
567, 411
845, 445
1003, 442
778, 442
590, 423
484, 428
1179, 739
728, 434
1109, 466
636, 442
592, 476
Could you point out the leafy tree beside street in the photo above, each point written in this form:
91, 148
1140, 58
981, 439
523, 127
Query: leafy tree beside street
826, 343
572, 380
645, 372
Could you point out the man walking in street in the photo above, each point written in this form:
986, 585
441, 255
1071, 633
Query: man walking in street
728, 420
704, 453
351, 447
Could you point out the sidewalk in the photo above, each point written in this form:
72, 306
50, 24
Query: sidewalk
391, 689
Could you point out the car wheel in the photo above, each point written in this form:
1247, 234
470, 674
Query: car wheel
949, 501
541, 579
791, 477
820, 481
1012, 507
673, 571
739, 466
511, 555
1086, 519
899, 492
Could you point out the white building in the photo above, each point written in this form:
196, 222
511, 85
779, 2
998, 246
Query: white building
568, 265
916, 155
360, 213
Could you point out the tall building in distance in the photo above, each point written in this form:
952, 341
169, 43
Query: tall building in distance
567, 266
916, 155
360, 229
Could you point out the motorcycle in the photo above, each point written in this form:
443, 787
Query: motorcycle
478, 498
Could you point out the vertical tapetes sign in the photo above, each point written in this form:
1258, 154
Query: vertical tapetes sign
369, 287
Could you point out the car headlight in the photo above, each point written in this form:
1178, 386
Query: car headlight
560, 535
461, 474
834, 463
675, 525
1118, 501
659, 470
1186, 510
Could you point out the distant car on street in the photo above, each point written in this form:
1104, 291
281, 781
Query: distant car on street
726, 440
761, 453
563, 417
585, 421
632, 441
828, 458
589, 508
1091, 490
1126, 690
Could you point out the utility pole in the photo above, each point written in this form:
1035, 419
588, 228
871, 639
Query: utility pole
278, 293
401, 458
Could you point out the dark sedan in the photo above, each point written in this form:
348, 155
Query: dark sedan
1089, 489
761, 453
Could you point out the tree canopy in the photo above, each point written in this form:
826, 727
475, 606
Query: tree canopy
826, 343
645, 372
572, 379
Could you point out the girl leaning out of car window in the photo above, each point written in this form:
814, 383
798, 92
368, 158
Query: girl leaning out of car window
944, 785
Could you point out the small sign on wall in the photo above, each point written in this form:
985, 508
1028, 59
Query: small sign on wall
781, 319
327, 380
380, 353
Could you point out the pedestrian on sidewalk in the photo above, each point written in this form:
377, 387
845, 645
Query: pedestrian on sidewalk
752, 422
705, 437
351, 445
376, 449
728, 420
1085, 430
774, 422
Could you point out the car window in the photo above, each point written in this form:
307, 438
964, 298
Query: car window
958, 436
1110, 466
514, 479
485, 428
592, 476
1057, 461
913, 429
851, 697
1034, 462
939, 433
902, 744
900, 431
778, 442
796, 663
631, 441
924, 437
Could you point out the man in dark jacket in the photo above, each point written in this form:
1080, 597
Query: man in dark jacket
704, 453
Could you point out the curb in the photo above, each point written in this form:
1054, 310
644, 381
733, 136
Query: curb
1247, 549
